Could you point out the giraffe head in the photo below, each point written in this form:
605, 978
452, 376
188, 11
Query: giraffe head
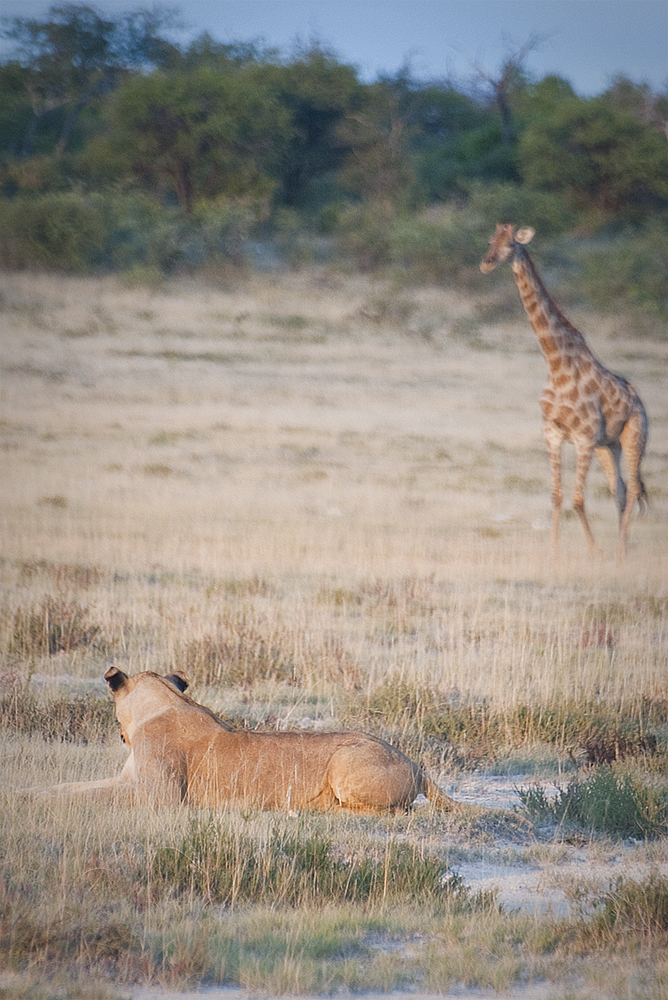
503, 243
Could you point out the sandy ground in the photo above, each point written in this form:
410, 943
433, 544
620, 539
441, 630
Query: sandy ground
534, 992
532, 883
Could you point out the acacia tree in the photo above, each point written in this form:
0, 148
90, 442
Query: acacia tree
597, 155
640, 100
76, 55
378, 134
505, 84
197, 134
317, 92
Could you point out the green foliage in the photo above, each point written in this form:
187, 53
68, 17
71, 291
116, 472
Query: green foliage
630, 268
294, 869
316, 92
437, 244
15, 110
76, 56
378, 168
599, 156
83, 233
549, 212
453, 140
60, 232
146, 158
196, 135
610, 799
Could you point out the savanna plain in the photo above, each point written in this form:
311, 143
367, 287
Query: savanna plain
325, 499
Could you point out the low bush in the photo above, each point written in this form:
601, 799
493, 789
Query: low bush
547, 212
629, 268
79, 233
58, 232
610, 799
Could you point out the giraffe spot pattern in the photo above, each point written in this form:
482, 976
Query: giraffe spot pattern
583, 401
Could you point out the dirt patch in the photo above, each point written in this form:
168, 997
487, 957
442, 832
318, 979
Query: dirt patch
537, 991
539, 875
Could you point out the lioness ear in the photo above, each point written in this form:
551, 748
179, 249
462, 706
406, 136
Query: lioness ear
116, 679
525, 235
178, 680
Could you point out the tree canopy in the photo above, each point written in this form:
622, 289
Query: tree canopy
96, 105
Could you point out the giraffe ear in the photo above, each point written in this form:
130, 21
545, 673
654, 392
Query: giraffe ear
525, 235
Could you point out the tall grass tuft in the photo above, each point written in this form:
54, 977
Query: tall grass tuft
222, 865
639, 907
77, 719
54, 625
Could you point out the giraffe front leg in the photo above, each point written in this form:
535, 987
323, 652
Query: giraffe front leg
584, 456
554, 440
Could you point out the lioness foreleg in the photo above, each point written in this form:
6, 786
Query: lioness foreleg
120, 786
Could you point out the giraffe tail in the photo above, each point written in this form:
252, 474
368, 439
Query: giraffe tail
643, 498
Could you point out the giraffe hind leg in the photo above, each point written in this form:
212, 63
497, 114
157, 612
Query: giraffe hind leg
632, 440
609, 457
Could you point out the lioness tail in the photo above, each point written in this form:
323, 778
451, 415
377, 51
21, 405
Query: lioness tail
437, 797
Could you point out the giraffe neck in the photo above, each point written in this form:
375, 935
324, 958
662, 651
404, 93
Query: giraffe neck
557, 337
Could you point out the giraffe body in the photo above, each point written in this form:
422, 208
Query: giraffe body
584, 403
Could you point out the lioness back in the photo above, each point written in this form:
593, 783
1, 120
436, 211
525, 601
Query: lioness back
300, 771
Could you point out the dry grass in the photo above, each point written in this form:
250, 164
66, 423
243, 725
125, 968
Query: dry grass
327, 501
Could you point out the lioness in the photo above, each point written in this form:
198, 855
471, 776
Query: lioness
181, 752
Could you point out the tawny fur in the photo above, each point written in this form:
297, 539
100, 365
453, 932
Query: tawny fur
180, 752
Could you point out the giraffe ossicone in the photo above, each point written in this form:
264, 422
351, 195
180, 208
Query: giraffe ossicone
584, 403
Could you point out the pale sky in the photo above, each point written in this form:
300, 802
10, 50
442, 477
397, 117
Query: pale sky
588, 42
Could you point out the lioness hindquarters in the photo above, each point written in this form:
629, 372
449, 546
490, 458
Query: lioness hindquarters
369, 775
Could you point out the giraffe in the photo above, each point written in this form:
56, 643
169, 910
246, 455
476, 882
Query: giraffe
583, 402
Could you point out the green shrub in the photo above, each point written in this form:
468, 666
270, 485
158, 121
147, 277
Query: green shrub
609, 800
363, 237
122, 232
439, 243
60, 232
630, 268
548, 213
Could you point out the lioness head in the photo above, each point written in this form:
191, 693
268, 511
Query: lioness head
151, 693
117, 680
